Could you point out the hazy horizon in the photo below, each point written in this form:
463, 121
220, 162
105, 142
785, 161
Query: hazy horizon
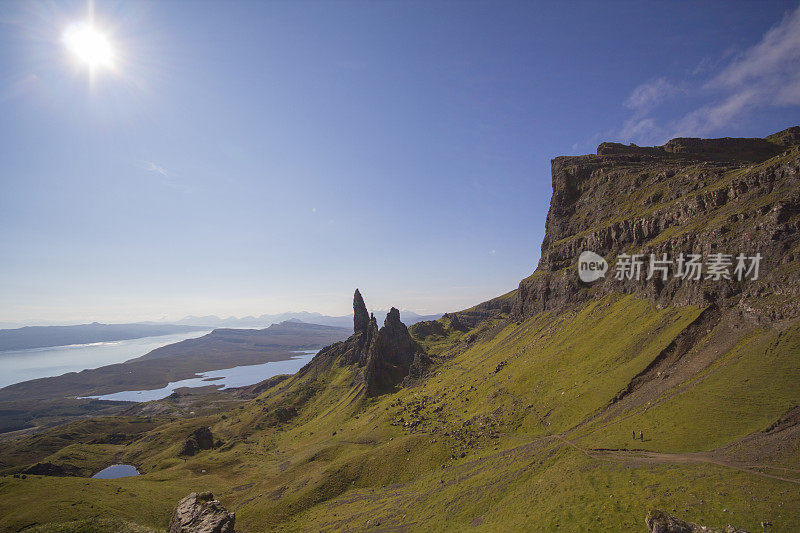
167, 319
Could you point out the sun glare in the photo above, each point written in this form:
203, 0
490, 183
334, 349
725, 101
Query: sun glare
89, 46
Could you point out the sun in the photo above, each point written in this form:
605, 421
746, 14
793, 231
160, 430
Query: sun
89, 46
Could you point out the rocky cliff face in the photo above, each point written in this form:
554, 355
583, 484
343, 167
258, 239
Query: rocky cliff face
382, 358
690, 196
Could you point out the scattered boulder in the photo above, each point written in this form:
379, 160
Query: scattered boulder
199, 439
661, 522
201, 513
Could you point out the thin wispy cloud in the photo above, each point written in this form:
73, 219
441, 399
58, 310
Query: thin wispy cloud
166, 177
642, 100
776, 58
639, 128
152, 167
648, 95
765, 75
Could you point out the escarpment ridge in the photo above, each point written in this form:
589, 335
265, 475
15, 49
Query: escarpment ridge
690, 196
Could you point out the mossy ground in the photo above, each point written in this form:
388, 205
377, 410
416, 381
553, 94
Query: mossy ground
92, 525
499, 437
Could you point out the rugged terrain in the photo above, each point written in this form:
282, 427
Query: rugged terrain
560, 405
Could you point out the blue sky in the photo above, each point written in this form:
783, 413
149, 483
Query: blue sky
254, 157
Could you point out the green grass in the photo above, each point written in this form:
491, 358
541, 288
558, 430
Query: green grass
746, 390
93, 525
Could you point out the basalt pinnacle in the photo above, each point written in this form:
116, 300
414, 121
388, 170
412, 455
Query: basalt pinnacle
383, 357
360, 315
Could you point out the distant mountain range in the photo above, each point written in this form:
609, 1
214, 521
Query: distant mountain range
212, 321
48, 336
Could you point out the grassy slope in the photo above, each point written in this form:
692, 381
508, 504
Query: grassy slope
748, 388
345, 462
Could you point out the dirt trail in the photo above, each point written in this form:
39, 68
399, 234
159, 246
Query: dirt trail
647, 457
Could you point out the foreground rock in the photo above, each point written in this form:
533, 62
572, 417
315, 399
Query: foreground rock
199, 439
201, 513
661, 522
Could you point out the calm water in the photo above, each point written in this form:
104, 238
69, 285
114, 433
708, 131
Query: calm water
238, 376
115, 471
22, 365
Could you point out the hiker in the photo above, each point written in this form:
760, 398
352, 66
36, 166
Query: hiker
641, 435
634, 434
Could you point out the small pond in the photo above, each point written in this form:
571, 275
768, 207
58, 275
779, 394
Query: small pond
115, 471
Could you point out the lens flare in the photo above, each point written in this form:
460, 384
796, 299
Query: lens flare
89, 46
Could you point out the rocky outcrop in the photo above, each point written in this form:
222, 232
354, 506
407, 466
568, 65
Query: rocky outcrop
52, 469
787, 137
661, 522
201, 513
383, 357
199, 439
468, 318
690, 196
390, 356
726, 149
